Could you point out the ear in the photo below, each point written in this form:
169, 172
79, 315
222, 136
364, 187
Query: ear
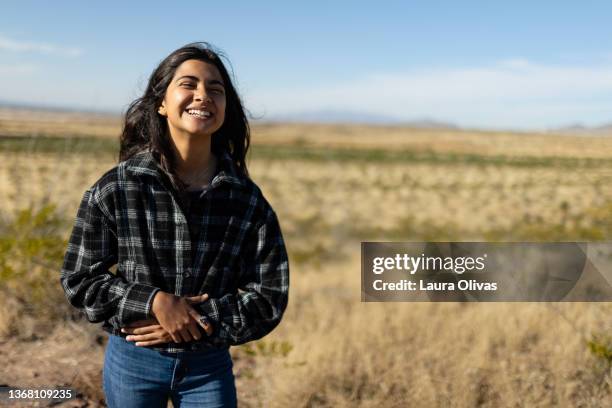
162, 110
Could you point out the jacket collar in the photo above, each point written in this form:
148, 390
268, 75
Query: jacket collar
144, 163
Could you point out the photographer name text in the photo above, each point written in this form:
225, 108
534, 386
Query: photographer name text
427, 264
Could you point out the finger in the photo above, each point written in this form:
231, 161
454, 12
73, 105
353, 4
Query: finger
151, 342
146, 329
207, 328
186, 335
146, 343
176, 337
192, 300
144, 337
199, 319
128, 330
194, 331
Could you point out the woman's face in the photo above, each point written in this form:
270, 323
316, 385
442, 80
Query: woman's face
194, 104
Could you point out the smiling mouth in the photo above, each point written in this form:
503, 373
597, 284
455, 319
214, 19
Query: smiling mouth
200, 114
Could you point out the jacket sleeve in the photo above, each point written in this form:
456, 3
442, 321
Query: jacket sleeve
85, 276
262, 297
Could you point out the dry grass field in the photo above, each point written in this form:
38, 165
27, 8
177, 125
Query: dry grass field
334, 186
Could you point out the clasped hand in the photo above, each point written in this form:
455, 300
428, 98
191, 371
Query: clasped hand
174, 319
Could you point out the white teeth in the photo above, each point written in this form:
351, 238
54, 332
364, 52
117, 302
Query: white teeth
199, 113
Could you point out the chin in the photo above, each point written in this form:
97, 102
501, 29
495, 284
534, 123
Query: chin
202, 133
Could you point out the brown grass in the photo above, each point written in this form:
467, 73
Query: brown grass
331, 350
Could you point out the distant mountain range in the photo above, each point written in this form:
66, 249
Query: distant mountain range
353, 117
331, 116
580, 129
47, 108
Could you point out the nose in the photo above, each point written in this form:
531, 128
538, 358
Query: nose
201, 95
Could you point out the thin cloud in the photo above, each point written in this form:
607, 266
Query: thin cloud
514, 92
17, 69
8, 44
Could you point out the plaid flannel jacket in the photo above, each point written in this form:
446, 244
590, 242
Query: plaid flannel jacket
132, 217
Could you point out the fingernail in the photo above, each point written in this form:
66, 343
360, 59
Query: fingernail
122, 330
129, 338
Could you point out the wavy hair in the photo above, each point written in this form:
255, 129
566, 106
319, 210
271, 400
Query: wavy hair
144, 128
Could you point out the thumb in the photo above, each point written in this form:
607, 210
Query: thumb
192, 300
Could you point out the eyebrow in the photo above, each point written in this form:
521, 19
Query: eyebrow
210, 82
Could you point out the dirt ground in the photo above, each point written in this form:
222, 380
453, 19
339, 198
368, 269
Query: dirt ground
72, 357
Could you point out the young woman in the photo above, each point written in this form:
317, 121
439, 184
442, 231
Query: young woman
201, 262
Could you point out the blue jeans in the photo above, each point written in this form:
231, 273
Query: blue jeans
141, 377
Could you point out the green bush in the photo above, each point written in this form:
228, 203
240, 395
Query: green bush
31, 253
601, 347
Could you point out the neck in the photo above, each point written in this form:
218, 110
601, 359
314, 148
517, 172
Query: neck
192, 155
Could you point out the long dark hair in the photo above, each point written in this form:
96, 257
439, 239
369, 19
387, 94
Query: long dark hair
145, 129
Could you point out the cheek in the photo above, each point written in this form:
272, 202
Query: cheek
177, 99
221, 101
222, 116
221, 106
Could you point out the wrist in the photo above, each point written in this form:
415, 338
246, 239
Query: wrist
158, 299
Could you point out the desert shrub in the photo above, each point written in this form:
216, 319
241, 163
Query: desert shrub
600, 346
31, 252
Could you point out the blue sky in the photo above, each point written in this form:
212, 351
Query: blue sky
488, 64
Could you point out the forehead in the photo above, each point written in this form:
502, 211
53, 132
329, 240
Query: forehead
199, 69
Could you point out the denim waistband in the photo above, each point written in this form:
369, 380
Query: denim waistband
120, 341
